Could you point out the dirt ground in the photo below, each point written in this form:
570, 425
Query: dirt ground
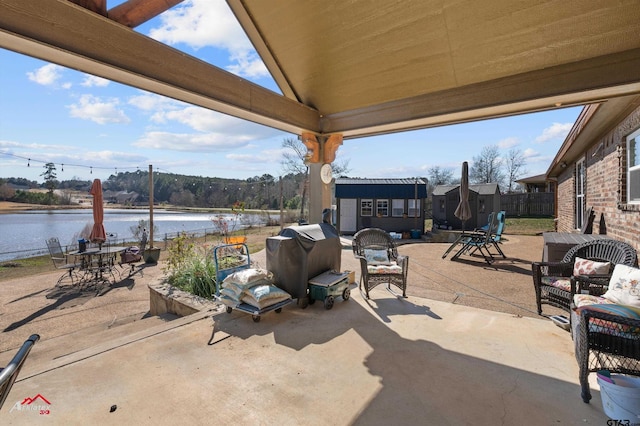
33, 304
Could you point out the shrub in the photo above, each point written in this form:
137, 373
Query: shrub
190, 268
196, 276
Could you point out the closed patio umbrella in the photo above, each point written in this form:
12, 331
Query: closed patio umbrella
97, 232
463, 211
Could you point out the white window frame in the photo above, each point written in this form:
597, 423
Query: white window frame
366, 204
633, 168
382, 208
580, 193
397, 207
413, 209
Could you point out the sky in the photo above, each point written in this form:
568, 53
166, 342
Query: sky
91, 128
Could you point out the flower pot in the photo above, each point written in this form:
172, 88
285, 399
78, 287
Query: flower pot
152, 255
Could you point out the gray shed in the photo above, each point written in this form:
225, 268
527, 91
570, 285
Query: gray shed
483, 199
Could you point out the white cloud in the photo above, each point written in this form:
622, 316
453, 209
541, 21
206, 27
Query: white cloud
36, 146
94, 81
192, 23
208, 142
248, 64
266, 156
201, 23
201, 119
92, 108
555, 131
530, 153
152, 102
113, 157
46, 75
508, 143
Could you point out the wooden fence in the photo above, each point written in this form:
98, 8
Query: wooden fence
528, 204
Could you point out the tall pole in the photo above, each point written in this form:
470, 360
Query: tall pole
150, 206
281, 206
415, 206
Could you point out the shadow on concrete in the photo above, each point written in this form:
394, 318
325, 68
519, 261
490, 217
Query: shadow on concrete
412, 379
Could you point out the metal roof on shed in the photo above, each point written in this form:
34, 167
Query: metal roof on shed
482, 189
380, 188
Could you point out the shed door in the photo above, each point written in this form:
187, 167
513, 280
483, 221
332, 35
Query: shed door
348, 215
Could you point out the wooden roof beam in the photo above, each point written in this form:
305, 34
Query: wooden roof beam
97, 6
136, 12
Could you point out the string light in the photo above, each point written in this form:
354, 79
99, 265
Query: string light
29, 160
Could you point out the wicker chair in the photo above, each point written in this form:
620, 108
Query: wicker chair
546, 275
605, 341
391, 270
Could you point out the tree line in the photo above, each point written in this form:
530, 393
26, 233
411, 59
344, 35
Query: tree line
257, 192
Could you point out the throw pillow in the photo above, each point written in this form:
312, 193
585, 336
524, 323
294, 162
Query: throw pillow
581, 300
590, 267
624, 286
376, 257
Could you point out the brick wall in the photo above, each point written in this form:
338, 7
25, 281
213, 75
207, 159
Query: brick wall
605, 187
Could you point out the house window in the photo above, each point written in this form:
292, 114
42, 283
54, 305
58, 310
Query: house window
382, 207
366, 207
580, 188
414, 208
397, 208
633, 168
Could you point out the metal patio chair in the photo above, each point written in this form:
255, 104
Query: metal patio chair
62, 261
483, 241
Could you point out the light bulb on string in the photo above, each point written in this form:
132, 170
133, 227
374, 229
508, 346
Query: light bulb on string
29, 162
63, 167
90, 170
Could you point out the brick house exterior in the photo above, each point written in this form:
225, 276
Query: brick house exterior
594, 157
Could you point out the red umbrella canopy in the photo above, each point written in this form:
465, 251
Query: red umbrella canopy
97, 233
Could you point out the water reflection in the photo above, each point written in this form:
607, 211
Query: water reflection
28, 230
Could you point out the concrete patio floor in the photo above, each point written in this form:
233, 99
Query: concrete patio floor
427, 359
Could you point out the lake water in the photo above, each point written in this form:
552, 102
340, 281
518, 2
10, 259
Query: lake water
23, 234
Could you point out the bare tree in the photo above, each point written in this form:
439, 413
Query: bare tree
439, 176
487, 167
293, 161
515, 166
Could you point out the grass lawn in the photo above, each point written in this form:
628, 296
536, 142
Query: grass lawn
521, 226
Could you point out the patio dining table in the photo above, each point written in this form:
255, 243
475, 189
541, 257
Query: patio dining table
98, 263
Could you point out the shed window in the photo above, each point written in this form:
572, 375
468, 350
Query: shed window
633, 168
414, 207
382, 207
397, 208
366, 207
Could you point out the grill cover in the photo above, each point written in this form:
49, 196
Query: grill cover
302, 252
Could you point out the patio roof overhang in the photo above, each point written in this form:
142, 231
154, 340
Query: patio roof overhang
593, 123
357, 68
